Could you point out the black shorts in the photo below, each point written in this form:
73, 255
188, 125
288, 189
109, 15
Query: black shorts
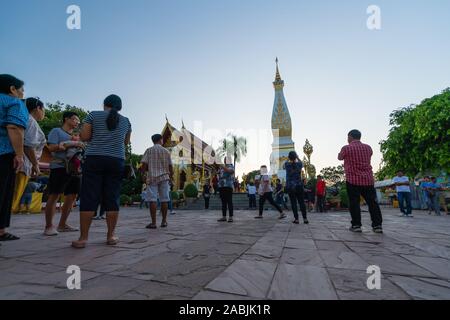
101, 183
61, 182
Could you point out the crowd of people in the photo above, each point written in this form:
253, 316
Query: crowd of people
431, 191
97, 150
88, 162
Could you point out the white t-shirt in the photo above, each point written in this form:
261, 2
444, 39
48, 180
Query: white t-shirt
251, 190
33, 138
264, 185
402, 179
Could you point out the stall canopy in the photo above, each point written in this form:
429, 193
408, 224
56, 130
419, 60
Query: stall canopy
384, 183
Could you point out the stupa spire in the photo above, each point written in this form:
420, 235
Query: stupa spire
277, 75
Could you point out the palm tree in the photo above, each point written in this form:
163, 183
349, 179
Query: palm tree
233, 145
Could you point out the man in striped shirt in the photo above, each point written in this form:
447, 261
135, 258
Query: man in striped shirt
360, 181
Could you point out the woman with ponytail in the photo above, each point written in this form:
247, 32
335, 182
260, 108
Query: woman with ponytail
107, 133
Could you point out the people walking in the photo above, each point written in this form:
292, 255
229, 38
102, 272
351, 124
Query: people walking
433, 191
402, 185
295, 186
310, 188
107, 133
60, 180
360, 181
279, 194
251, 189
206, 193
321, 190
13, 122
424, 184
215, 183
158, 165
266, 193
226, 185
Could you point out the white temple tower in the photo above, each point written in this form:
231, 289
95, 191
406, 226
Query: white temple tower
281, 130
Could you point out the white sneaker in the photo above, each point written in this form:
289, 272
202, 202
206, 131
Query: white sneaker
402, 215
50, 232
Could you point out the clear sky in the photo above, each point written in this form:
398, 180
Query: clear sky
213, 61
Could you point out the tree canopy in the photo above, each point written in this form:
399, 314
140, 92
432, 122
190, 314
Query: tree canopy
419, 139
53, 115
333, 175
233, 146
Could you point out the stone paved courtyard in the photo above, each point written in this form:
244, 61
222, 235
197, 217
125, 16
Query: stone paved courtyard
200, 258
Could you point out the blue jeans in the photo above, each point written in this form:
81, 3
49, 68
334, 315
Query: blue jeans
436, 206
405, 197
280, 200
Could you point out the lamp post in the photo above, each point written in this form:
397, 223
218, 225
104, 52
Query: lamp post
308, 150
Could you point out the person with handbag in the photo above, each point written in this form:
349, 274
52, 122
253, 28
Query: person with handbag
107, 133
60, 180
294, 186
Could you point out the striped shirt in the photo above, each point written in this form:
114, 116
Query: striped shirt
105, 142
358, 170
159, 161
12, 111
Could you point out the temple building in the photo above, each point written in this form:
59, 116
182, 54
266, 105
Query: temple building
193, 159
281, 130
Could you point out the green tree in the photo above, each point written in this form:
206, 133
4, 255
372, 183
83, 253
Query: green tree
419, 139
53, 115
251, 176
132, 186
333, 175
235, 146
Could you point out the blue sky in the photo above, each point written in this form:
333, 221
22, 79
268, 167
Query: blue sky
213, 61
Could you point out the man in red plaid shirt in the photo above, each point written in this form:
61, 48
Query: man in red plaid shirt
360, 181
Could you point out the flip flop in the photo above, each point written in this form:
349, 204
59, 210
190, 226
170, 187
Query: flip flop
113, 241
8, 237
151, 226
164, 225
78, 244
67, 229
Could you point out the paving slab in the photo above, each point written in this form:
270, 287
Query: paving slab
197, 257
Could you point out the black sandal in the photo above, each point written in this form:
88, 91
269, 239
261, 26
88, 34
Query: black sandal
151, 226
8, 237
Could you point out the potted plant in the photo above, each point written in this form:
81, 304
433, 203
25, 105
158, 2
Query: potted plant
190, 193
125, 200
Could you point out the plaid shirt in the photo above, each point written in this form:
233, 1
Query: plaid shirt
158, 160
358, 170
